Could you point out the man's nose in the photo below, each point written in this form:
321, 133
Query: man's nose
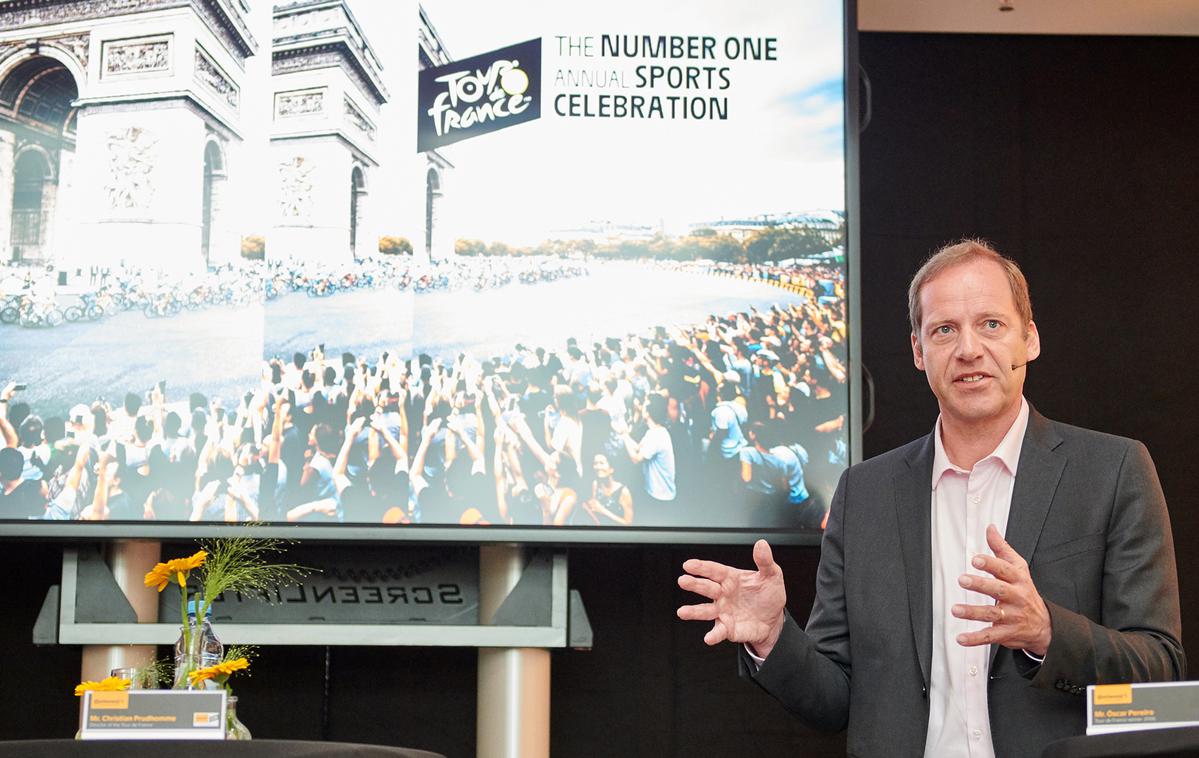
967, 347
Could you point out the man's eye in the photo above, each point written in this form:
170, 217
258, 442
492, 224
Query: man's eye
992, 323
943, 329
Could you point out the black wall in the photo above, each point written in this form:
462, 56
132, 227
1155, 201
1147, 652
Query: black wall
1077, 156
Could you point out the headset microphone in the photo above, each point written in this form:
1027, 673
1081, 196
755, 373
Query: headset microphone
1020, 365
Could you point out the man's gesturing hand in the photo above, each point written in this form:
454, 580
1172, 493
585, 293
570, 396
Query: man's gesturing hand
747, 606
1019, 618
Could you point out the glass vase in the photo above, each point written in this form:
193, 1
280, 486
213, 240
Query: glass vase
140, 677
234, 729
187, 655
185, 663
196, 648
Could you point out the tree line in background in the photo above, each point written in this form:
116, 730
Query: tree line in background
766, 245
772, 243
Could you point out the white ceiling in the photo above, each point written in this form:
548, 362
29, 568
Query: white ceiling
1152, 17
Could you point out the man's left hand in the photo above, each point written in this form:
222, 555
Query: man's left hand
1019, 618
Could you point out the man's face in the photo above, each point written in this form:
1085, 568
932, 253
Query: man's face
970, 338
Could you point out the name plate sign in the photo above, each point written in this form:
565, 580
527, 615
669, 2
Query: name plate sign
154, 715
1130, 707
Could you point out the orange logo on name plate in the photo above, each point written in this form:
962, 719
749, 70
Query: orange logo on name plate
1113, 694
206, 719
117, 701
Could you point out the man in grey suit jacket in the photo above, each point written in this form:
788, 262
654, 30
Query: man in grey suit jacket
914, 650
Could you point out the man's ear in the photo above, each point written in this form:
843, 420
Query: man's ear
917, 352
1032, 342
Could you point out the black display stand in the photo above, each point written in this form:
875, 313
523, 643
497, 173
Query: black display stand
1161, 743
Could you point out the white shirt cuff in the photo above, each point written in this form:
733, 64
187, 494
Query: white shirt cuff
1037, 658
758, 661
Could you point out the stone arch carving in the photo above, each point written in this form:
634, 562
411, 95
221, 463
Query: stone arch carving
433, 192
212, 200
73, 66
51, 164
214, 150
357, 198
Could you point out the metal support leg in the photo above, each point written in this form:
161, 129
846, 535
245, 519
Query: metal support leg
130, 561
513, 683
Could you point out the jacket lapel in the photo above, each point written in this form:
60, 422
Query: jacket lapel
913, 509
1037, 476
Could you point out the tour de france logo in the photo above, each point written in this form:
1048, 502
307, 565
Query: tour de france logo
473, 96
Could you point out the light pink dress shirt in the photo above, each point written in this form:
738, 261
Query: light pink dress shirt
964, 503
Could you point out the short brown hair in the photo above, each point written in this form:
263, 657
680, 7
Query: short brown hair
964, 251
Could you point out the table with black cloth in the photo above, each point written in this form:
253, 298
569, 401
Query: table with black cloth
1159, 743
203, 749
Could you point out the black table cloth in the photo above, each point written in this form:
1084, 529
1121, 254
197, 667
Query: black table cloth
1159, 743
202, 749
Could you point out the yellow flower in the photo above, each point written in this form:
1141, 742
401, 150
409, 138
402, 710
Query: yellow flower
108, 684
223, 669
158, 577
201, 675
176, 568
228, 667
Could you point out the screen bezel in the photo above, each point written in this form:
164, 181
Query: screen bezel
637, 535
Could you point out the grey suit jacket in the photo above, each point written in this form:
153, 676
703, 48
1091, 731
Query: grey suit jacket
1088, 515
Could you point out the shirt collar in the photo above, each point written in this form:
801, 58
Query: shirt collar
1006, 452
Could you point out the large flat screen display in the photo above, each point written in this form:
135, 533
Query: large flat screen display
450, 270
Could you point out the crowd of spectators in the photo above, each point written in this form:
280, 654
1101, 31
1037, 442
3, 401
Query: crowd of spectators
43, 297
823, 282
735, 421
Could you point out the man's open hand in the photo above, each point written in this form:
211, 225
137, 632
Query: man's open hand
1019, 618
747, 606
